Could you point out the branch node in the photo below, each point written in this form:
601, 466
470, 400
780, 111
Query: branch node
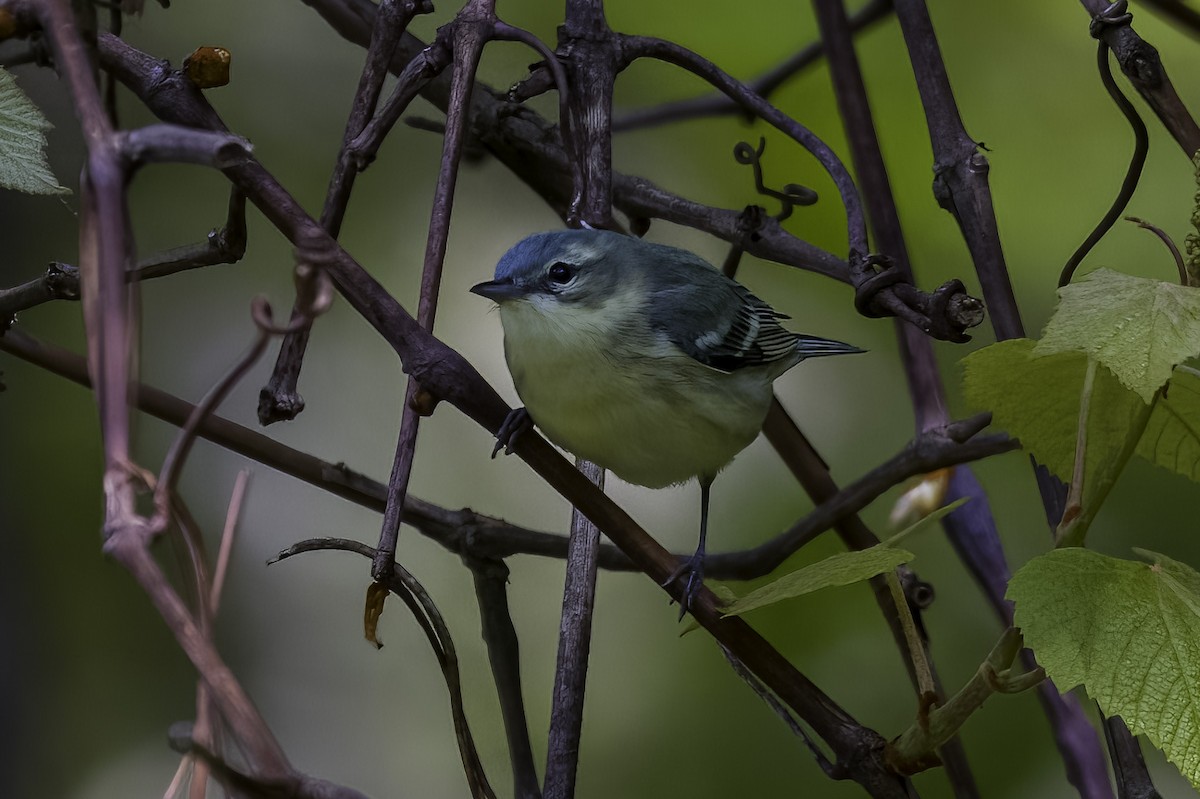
867, 289
1115, 16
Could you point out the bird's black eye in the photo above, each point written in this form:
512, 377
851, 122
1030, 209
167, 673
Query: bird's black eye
561, 273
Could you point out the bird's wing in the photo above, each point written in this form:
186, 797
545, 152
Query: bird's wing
720, 323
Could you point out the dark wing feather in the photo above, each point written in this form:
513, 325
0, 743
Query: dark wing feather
719, 322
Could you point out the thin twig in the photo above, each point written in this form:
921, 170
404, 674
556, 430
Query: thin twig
634, 47
471, 28
925, 388
500, 636
403, 584
574, 647
765, 84
778, 708
527, 144
471, 534
1168, 241
280, 399
61, 281
926, 688
104, 253
228, 533
177, 454
961, 188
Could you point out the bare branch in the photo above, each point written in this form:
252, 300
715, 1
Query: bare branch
764, 85
500, 636
1140, 62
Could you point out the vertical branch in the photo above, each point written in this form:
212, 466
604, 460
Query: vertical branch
960, 181
574, 646
591, 72
105, 252
491, 578
925, 388
280, 399
586, 43
924, 382
961, 187
473, 24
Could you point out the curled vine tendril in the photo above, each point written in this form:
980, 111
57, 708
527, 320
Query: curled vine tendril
1115, 15
792, 195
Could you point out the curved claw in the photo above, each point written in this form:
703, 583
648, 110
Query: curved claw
516, 423
694, 568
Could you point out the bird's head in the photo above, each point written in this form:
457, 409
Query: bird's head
564, 269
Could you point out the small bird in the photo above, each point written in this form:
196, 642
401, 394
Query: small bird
641, 358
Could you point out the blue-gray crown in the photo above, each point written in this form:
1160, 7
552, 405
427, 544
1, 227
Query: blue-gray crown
528, 256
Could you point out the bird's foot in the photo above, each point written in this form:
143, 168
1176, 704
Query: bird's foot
693, 567
516, 423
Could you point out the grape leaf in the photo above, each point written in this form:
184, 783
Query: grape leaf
23, 129
1037, 400
1128, 632
1172, 436
844, 568
1139, 328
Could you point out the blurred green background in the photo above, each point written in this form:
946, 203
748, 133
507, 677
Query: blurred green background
91, 677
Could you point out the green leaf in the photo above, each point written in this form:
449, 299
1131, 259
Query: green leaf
1139, 328
1172, 436
23, 129
1128, 632
843, 568
1037, 400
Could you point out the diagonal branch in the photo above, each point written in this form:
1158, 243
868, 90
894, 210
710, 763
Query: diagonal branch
1140, 62
470, 31
448, 376
765, 84
529, 146
475, 535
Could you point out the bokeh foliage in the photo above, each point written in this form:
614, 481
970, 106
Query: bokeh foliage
90, 675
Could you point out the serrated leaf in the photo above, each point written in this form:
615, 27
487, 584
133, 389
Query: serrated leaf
1139, 328
1037, 400
1172, 436
23, 129
844, 568
1128, 632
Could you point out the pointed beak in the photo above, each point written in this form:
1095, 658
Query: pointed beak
499, 290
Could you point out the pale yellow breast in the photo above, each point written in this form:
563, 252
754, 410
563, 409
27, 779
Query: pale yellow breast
650, 414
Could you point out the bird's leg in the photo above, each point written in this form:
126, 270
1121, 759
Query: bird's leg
694, 566
516, 423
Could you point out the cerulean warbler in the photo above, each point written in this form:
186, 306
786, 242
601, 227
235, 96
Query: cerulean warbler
641, 358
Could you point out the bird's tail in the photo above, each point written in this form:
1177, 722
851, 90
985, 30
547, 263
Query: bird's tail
815, 347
